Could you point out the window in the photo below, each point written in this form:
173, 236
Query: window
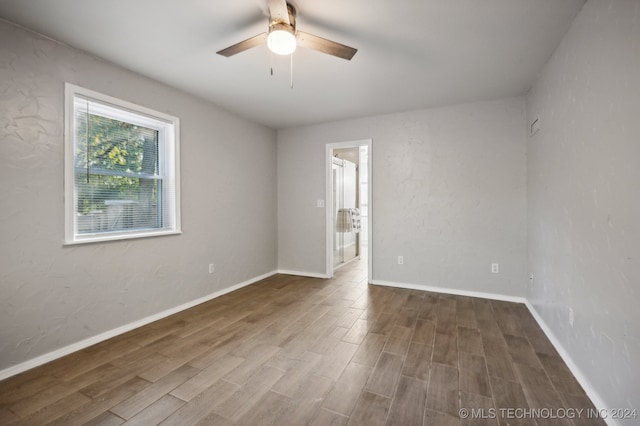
121, 169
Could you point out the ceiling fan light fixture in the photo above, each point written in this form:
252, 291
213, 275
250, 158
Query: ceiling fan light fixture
281, 39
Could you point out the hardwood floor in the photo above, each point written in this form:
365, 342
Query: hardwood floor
295, 351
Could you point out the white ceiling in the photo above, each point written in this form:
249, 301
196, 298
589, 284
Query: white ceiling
411, 53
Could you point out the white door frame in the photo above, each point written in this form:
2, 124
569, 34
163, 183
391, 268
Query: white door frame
329, 229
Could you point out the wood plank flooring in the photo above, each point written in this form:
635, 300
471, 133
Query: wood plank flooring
296, 351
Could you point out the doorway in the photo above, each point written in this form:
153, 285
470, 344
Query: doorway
348, 207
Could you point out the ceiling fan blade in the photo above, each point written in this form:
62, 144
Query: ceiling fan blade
320, 44
278, 11
244, 45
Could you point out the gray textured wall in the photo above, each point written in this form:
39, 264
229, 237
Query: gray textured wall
584, 197
52, 296
448, 194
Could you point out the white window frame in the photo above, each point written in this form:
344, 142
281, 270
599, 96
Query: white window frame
169, 135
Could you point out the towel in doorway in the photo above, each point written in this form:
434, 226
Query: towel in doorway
348, 220
355, 220
344, 222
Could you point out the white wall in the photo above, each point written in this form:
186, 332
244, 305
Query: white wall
584, 197
448, 195
52, 296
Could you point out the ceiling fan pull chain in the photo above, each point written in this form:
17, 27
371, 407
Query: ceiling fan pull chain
271, 56
291, 71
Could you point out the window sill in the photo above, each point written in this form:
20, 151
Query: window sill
119, 237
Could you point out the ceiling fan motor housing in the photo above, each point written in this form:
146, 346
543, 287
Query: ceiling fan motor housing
280, 25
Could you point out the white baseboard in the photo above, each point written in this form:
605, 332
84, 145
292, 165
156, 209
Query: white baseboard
302, 273
58, 353
577, 373
446, 290
580, 377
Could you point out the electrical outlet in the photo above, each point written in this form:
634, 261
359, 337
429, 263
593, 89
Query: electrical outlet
212, 268
571, 317
400, 260
495, 268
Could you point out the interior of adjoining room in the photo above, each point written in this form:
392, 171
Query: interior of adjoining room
349, 203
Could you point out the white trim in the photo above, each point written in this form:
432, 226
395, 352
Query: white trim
69, 158
328, 230
100, 238
74, 347
329, 202
169, 129
457, 292
59, 353
303, 274
575, 370
369, 210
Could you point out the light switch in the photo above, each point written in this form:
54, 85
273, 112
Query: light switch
320, 203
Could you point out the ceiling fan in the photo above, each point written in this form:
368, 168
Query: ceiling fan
283, 37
